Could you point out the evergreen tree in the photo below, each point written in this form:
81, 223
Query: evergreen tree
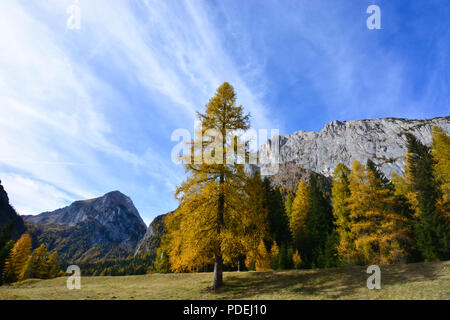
288, 205
5, 252
400, 186
162, 264
330, 256
378, 175
5, 246
289, 257
402, 205
432, 229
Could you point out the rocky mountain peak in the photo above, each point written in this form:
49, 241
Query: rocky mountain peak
103, 227
382, 140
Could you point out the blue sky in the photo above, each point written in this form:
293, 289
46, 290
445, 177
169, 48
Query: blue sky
84, 112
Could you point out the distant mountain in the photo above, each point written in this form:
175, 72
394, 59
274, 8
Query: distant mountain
106, 227
152, 238
382, 140
110, 226
303, 153
8, 217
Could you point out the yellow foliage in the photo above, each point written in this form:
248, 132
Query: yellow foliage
341, 212
37, 265
16, 263
262, 258
400, 186
274, 251
377, 228
221, 215
441, 155
54, 268
296, 259
300, 208
409, 193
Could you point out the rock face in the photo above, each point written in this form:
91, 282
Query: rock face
382, 140
9, 218
152, 238
106, 227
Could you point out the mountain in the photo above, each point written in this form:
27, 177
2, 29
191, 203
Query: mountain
9, 218
106, 227
110, 226
152, 238
382, 140
303, 153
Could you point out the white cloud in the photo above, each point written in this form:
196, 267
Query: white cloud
60, 112
30, 196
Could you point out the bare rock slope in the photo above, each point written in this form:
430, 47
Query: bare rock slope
382, 140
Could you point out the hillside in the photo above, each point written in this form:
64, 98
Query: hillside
411, 281
8, 217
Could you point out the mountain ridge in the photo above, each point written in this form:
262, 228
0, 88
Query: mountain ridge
302, 152
382, 140
9, 219
104, 227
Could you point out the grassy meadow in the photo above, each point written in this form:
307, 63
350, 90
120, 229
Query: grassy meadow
409, 281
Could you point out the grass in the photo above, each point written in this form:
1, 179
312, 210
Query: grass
408, 281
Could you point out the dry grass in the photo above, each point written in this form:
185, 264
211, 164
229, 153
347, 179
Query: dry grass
410, 281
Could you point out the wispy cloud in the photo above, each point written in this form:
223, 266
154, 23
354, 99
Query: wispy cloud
91, 110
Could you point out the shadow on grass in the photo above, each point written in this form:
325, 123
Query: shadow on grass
337, 283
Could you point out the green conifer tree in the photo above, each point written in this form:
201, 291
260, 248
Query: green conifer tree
319, 221
432, 230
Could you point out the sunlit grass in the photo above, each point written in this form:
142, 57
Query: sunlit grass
410, 281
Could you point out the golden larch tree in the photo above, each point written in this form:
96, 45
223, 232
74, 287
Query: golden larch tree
16, 263
215, 216
262, 262
341, 212
54, 268
37, 266
379, 232
296, 260
300, 207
